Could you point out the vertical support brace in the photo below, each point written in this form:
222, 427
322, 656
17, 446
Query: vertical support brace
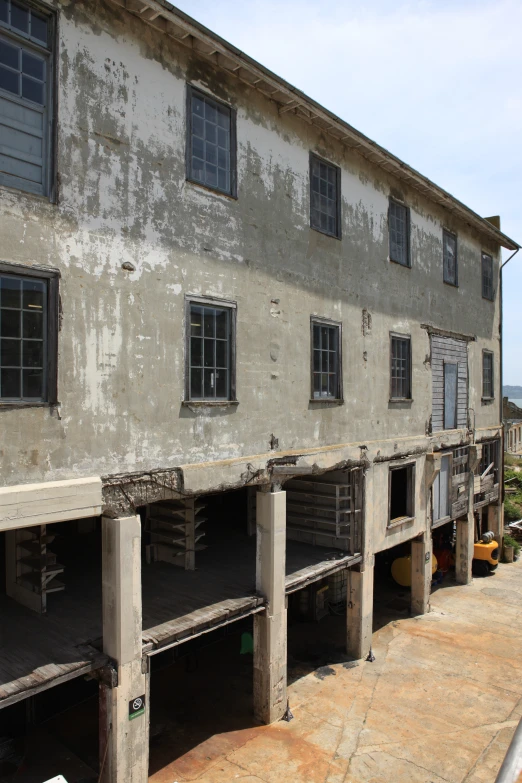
359, 610
421, 551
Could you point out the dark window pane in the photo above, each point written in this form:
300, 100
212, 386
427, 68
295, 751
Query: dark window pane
317, 336
196, 377
9, 80
198, 169
33, 384
32, 353
210, 112
221, 384
10, 384
10, 292
323, 197
196, 320
3, 11
198, 147
223, 139
211, 154
198, 106
224, 119
210, 133
317, 361
10, 353
33, 66
33, 91
211, 175
10, 323
221, 353
32, 324
9, 55
221, 323
209, 380
324, 361
324, 385
209, 322
223, 180
33, 294
39, 27
196, 352
208, 353
20, 18
198, 127
222, 158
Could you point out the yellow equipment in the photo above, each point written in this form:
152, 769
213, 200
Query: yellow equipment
485, 556
401, 569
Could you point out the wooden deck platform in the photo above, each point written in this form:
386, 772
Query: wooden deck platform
39, 651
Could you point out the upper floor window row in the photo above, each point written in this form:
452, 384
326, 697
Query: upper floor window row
26, 44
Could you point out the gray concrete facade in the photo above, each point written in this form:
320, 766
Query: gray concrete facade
132, 239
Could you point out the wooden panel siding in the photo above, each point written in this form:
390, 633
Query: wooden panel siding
448, 349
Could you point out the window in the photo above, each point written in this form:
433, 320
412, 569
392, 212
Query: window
25, 97
210, 350
326, 360
488, 390
487, 276
450, 395
211, 143
399, 227
400, 370
325, 197
401, 497
449, 254
28, 321
440, 492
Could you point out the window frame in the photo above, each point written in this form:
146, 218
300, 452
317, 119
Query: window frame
405, 337
442, 520
410, 489
401, 204
338, 210
485, 396
446, 232
232, 193
485, 255
52, 277
210, 301
50, 110
314, 319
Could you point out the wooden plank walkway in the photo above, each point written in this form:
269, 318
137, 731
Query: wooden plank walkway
39, 651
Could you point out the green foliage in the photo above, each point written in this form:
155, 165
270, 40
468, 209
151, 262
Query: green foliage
512, 509
510, 541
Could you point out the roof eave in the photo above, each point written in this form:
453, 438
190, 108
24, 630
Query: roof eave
186, 30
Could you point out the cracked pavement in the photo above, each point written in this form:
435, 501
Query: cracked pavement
439, 704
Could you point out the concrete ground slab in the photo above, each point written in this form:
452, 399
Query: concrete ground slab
439, 704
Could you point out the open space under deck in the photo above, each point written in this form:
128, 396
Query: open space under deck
38, 651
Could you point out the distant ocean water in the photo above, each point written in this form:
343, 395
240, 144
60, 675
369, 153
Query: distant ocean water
517, 402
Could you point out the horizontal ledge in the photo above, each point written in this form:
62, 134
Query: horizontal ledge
327, 401
209, 403
398, 522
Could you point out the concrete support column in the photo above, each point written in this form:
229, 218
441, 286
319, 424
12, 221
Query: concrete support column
421, 573
464, 549
270, 627
359, 610
124, 728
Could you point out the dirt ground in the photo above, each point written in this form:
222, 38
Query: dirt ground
438, 705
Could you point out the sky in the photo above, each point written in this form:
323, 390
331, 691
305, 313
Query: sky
439, 84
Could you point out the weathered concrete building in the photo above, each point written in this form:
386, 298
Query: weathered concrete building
224, 312
512, 416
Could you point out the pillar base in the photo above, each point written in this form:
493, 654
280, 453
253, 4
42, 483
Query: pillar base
421, 550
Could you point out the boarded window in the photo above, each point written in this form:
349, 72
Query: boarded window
399, 227
210, 360
401, 493
450, 395
28, 311
449, 386
400, 370
449, 252
325, 197
211, 142
441, 490
487, 276
326, 360
487, 375
25, 97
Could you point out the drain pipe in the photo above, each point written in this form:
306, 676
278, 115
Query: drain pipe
501, 477
512, 765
